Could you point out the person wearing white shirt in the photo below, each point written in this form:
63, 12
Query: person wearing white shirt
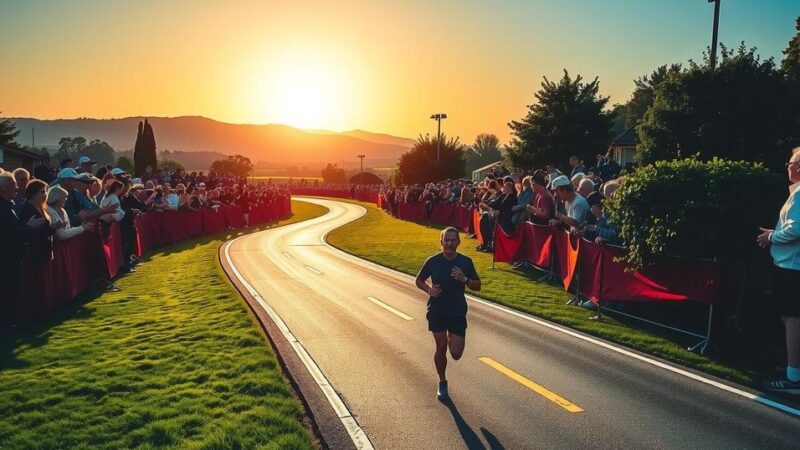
56, 198
112, 198
784, 243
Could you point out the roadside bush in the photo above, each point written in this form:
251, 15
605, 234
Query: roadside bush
693, 208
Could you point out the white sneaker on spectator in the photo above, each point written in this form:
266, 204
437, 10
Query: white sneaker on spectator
588, 304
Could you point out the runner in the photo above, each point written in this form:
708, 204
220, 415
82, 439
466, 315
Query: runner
449, 272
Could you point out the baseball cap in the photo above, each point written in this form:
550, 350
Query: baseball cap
69, 172
560, 181
85, 160
117, 171
86, 178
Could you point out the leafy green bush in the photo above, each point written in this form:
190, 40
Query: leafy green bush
694, 208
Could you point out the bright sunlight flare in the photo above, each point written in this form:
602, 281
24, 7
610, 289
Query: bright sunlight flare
305, 92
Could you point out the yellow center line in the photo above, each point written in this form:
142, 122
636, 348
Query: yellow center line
541, 390
401, 314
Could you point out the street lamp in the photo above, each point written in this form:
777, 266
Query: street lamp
714, 33
361, 175
438, 118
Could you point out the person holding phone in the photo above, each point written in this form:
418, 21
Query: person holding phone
450, 273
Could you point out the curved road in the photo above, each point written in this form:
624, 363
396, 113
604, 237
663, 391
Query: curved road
522, 383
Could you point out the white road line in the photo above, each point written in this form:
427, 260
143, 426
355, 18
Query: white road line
311, 269
357, 434
676, 370
399, 313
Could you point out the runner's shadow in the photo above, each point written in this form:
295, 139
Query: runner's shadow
471, 439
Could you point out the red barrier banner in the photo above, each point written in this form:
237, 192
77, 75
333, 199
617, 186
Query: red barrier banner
380, 203
476, 223
213, 220
414, 212
194, 222
462, 218
508, 248
567, 253
112, 250
174, 226
233, 216
538, 247
672, 279
442, 213
591, 265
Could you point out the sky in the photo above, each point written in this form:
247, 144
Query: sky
382, 66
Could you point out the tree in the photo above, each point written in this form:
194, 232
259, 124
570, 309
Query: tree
125, 163
75, 147
144, 150
567, 119
8, 134
744, 109
484, 151
100, 151
419, 164
633, 110
791, 60
333, 174
236, 165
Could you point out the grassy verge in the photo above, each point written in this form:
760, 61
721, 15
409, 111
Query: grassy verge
173, 359
405, 245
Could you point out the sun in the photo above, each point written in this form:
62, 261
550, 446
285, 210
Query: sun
303, 92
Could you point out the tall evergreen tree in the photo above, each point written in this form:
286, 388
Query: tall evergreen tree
144, 150
8, 133
791, 59
568, 118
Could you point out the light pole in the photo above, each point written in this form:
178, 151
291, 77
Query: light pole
714, 33
438, 118
361, 174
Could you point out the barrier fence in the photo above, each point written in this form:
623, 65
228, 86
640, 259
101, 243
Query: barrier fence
86, 258
588, 269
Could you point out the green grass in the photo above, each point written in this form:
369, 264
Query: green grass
172, 360
404, 246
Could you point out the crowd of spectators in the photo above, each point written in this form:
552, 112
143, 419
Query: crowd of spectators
55, 205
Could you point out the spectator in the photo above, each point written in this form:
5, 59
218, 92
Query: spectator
56, 199
488, 219
784, 243
65, 163
543, 208
576, 180
524, 198
576, 165
171, 200
111, 200
467, 194
85, 165
44, 171
35, 207
608, 167
576, 207
13, 235
22, 177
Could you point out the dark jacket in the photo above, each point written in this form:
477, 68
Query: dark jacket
41, 240
504, 203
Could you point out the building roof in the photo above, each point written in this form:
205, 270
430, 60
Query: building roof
627, 138
487, 167
21, 152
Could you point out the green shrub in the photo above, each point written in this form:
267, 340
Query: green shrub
694, 208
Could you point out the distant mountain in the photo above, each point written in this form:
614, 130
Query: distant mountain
276, 145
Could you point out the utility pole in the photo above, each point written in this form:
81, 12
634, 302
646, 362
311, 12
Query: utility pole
714, 33
438, 118
361, 174
33, 139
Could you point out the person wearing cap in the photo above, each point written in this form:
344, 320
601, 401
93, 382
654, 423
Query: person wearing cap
577, 209
56, 199
85, 164
76, 185
44, 171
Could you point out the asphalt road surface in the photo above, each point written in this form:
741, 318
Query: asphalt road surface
521, 383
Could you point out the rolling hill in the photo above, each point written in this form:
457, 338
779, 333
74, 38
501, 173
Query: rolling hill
276, 145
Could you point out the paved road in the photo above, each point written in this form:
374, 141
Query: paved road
520, 384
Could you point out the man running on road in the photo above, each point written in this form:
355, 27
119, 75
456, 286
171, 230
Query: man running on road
450, 273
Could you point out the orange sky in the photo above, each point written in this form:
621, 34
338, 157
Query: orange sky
379, 66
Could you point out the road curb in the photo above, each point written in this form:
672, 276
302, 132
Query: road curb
321, 417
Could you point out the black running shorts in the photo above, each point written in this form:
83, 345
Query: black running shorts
438, 322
